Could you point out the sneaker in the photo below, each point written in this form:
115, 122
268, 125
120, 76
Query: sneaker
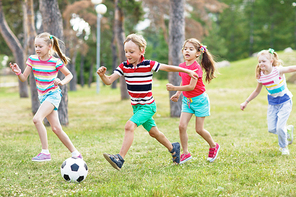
213, 153
115, 160
78, 157
290, 129
176, 152
285, 151
185, 158
42, 157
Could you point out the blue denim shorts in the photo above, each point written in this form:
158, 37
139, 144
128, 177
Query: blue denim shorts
199, 105
143, 115
54, 97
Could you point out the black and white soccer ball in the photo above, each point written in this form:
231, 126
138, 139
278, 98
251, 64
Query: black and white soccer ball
74, 170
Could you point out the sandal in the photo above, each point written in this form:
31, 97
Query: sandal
176, 152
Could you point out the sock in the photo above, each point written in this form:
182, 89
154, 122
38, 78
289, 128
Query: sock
45, 151
75, 153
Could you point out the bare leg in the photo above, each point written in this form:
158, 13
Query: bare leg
128, 137
160, 137
184, 120
56, 127
44, 109
199, 126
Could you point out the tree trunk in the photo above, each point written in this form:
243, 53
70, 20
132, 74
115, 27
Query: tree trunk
71, 67
52, 23
176, 39
30, 34
81, 71
114, 57
90, 74
16, 48
119, 32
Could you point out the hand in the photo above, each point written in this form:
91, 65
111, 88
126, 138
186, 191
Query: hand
57, 81
15, 68
243, 105
101, 71
193, 74
175, 98
170, 87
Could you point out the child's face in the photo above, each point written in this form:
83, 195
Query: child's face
189, 52
264, 63
41, 47
132, 52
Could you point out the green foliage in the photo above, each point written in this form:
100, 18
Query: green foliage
249, 162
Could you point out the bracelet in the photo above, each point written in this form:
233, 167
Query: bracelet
247, 101
19, 73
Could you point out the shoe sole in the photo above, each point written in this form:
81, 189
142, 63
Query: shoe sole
181, 162
213, 159
111, 162
41, 160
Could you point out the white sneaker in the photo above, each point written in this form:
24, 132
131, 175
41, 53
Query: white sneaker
285, 151
290, 129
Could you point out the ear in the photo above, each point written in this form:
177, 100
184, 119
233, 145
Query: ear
143, 52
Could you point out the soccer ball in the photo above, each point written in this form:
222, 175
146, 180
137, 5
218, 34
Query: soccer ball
74, 170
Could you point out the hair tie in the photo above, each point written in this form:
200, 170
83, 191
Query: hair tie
203, 48
50, 36
270, 50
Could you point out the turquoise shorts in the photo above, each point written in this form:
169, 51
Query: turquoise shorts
143, 115
54, 97
199, 105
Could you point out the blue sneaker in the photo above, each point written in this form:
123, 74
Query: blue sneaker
115, 160
176, 152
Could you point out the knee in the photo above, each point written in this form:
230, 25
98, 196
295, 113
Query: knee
56, 129
129, 127
152, 134
37, 120
199, 131
182, 127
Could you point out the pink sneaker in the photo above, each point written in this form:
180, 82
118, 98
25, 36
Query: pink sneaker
213, 153
185, 158
78, 157
42, 157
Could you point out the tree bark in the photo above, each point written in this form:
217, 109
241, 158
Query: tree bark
120, 36
30, 34
53, 24
176, 39
114, 57
81, 71
16, 48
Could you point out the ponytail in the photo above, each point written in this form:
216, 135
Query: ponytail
208, 63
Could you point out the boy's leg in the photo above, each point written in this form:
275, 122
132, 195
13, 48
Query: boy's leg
128, 137
160, 137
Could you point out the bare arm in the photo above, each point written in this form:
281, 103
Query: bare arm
170, 68
188, 87
67, 79
22, 76
108, 80
253, 95
287, 69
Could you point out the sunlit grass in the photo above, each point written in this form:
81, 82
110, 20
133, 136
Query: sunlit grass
249, 163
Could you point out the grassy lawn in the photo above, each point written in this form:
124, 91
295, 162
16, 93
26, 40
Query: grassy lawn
249, 163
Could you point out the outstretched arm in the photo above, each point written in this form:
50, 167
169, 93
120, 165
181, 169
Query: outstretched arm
252, 96
22, 76
287, 69
108, 80
170, 68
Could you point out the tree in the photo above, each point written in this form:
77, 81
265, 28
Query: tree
176, 39
16, 48
52, 23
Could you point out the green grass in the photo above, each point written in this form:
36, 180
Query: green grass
249, 163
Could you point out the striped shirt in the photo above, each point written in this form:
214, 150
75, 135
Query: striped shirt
276, 86
139, 80
45, 72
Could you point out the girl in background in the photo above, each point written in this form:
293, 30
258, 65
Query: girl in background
45, 68
195, 99
270, 73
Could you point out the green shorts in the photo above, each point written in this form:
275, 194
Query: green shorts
143, 115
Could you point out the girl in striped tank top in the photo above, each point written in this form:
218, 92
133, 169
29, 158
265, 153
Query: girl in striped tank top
45, 68
270, 73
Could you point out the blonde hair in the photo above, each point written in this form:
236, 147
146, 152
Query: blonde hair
138, 40
50, 39
207, 61
271, 56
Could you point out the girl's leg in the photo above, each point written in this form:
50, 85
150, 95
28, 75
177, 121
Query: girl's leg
283, 116
128, 137
56, 127
199, 126
160, 137
184, 120
272, 118
44, 109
